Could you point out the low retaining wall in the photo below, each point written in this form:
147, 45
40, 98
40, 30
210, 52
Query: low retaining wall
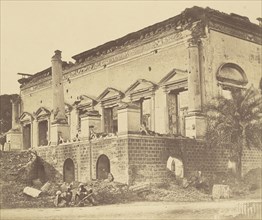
137, 158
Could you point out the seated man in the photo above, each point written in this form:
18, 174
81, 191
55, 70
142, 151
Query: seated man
68, 196
83, 194
59, 200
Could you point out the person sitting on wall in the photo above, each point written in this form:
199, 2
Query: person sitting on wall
84, 195
61, 140
145, 131
92, 134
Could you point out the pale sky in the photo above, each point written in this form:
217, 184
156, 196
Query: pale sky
32, 30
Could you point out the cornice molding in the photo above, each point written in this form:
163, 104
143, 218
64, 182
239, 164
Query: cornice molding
235, 31
110, 59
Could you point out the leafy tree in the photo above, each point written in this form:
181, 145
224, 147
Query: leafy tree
236, 123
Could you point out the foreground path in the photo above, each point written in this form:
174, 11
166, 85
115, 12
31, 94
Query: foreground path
138, 210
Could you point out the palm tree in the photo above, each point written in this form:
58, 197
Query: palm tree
236, 123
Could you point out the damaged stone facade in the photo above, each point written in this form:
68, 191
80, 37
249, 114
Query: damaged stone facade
126, 106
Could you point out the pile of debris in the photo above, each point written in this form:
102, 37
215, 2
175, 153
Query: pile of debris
16, 166
112, 192
174, 192
18, 169
249, 185
21, 189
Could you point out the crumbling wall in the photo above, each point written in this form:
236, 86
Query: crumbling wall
55, 156
18, 166
139, 158
148, 157
251, 159
116, 149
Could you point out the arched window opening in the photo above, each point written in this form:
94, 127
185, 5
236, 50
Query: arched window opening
102, 167
69, 171
176, 166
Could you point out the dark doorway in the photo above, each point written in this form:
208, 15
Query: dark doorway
102, 167
69, 171
177, 110
42, 133
41, 173
110, 120
27, 136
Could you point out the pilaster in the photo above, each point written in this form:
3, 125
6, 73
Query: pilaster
195, 120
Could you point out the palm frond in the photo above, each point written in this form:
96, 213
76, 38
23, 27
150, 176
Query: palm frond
235, 122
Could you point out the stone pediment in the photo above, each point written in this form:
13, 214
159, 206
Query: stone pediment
42, 113
110, 97
110, 93
140, 85
26, 117
86, 101
173, 76
68, 107
175, 79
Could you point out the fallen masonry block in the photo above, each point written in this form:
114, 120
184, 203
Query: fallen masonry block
45, 187
32, 192
220, 191
37, 183
140, 187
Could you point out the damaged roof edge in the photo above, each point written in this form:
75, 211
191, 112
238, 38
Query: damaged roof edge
195, 13
43, 73
188, 15
134, 35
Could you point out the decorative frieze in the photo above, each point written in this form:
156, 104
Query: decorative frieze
102, 62
236, 32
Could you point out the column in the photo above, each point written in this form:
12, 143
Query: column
152, 103
35, 133
59, 125
58, 90
101, 110
15, 113
195, 120
161, 111
74, 122
14, 135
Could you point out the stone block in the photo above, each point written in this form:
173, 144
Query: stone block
220, 191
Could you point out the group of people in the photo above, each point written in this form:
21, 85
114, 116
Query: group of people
82, 195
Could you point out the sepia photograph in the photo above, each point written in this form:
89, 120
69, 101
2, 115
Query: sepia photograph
122, 110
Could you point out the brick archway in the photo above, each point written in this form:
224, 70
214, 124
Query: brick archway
102, 167
69, 171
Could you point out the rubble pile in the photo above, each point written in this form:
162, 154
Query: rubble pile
17, 172
174, 192
13, 197
113, 192
20, 188
250, 185
253, 179
16, 166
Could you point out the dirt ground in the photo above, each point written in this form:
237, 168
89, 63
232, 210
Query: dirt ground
220, 210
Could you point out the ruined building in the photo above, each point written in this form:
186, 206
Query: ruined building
125, 106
